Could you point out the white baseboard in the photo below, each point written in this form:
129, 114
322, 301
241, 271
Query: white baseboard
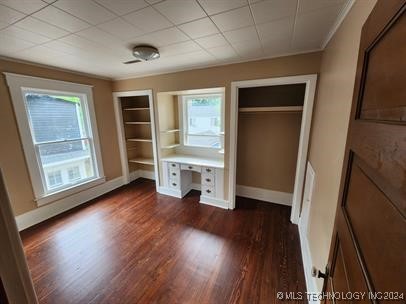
47, 211
212, 201
277, 197
170, 192
311, 284
142, 173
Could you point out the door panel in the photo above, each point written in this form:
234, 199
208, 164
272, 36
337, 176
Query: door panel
376, 224
369, 244
383, 97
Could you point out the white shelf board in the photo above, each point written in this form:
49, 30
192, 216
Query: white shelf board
171, 146
170, 131
272, 109
137, 122
140, 139
135, 109
142, 160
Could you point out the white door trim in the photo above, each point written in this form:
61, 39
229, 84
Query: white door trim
121, 135
310, 81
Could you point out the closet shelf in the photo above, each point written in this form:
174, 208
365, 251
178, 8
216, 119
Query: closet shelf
142, 160
171, 146
137, 122
272, 109
140, 139
170, 131
136, 109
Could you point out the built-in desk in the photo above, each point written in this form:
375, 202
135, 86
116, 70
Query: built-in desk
177, 178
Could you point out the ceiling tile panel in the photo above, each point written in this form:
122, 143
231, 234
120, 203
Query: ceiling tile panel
223, 52
162, 38
148, 20
23, 34
61, 19
10, 44
120, 28
217, 6
238, 18
24, 6
212, 41
242, 34
180, 11
86, 10
123, 7
270, 10
9, 16
199, 28
42, 28
306, 6
180, 48
307, 26
279, 29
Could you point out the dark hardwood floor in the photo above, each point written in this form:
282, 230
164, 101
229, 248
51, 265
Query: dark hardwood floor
136, 246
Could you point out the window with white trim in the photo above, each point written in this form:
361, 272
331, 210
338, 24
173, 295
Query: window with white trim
57, 126
202, 120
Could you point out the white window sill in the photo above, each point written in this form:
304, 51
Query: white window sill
52, 197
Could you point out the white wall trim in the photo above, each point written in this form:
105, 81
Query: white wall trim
310, 81
311, 284
45, 212
344, 11
170, 192
271, 196
212, 201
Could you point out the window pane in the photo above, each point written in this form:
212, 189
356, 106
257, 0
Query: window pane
55, 117
204, 115
204, 141
72, 159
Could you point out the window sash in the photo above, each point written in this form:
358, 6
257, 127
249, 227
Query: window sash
185, 121
21, 84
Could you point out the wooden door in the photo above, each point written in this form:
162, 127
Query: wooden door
368, 251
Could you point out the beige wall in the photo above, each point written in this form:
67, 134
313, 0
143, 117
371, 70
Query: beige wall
222, 76
12, 159
330, 124
267, 150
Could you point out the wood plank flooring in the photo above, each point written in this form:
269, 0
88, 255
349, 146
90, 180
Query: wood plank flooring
136, 246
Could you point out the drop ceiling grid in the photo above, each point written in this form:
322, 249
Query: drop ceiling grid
83, 35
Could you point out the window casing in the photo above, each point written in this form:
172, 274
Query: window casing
57, 124
202, 121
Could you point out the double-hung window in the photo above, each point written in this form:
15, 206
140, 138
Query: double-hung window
202, 120
59, 134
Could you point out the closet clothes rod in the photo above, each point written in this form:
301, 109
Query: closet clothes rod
272, 109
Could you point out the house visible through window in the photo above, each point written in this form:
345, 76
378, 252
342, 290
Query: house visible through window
73, 173
54, 178
202, 120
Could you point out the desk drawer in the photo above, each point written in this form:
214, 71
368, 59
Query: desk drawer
208, 190
208, 179
174, 184
208, 172
190, 167
174, 174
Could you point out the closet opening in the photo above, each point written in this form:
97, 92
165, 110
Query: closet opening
270, 127
136, 132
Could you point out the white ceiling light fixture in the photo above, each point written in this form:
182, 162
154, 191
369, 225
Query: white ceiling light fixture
144, 53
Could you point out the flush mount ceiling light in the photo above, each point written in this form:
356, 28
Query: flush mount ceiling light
144, 53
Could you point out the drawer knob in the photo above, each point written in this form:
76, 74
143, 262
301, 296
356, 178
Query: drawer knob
190, 167
208, 170
208, 191
173, 165
208, 180
174, 184
173, 173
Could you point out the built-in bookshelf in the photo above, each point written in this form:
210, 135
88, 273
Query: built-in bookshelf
137, 117
169, 130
